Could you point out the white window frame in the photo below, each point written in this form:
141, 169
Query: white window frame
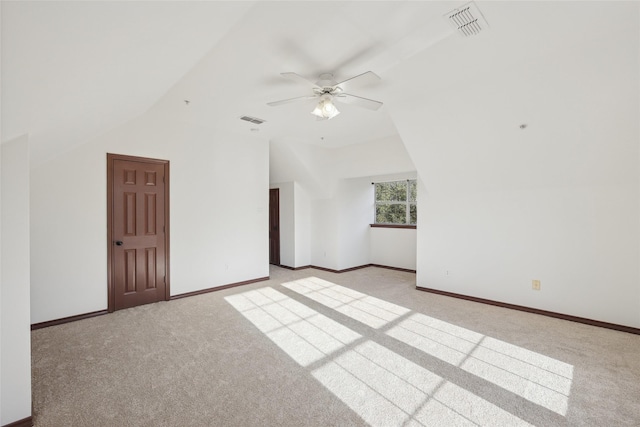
408, 203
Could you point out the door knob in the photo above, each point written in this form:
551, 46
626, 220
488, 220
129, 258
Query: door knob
119, 243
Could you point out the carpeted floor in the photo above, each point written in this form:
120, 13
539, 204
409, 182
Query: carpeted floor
313, 348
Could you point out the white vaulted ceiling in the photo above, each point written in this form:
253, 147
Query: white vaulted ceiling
72, 71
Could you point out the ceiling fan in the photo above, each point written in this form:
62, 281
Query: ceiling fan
327, 90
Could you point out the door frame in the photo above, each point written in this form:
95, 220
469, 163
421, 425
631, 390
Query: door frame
111, 295
275, 191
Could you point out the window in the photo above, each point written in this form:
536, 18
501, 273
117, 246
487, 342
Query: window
396, 202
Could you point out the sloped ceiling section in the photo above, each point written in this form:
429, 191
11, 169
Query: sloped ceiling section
319, 169
73, 70
574, 86
242, 73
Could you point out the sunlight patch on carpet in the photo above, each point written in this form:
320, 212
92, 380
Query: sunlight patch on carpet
301, 332
381, 386
386, 389
540, 379
371, 311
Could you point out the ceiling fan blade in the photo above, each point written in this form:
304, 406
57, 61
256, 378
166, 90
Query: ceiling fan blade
298, 78
287, 101
358, 101
359, 81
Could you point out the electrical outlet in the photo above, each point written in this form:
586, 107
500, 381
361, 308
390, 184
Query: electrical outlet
535, 285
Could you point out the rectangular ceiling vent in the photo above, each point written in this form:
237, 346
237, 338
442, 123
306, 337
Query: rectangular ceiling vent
252, 120
468, 20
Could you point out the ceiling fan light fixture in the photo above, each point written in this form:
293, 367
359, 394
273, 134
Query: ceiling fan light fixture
325, 108
326, 90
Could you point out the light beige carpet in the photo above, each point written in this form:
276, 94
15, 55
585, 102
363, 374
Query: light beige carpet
313, 348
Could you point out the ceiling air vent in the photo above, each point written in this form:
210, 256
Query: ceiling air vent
252, 120
468, 20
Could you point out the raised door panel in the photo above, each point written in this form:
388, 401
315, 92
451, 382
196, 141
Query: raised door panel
129, 211
150, 214
151, 270
129, 271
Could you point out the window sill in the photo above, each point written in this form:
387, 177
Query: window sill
411, 227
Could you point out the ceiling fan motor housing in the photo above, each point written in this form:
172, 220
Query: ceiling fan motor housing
326, 80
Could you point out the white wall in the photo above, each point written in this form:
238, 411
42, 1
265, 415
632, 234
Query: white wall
302, 227
334, 198
218, 201
340, 226
343, 238
355, 210
580, 242
15, 338
559, 201
324, 233
394, 247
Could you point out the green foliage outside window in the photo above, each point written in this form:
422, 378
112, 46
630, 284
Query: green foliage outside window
396, 202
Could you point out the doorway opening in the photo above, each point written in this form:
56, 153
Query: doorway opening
274, 226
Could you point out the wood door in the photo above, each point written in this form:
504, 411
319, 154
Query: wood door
274, 226
138, 231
